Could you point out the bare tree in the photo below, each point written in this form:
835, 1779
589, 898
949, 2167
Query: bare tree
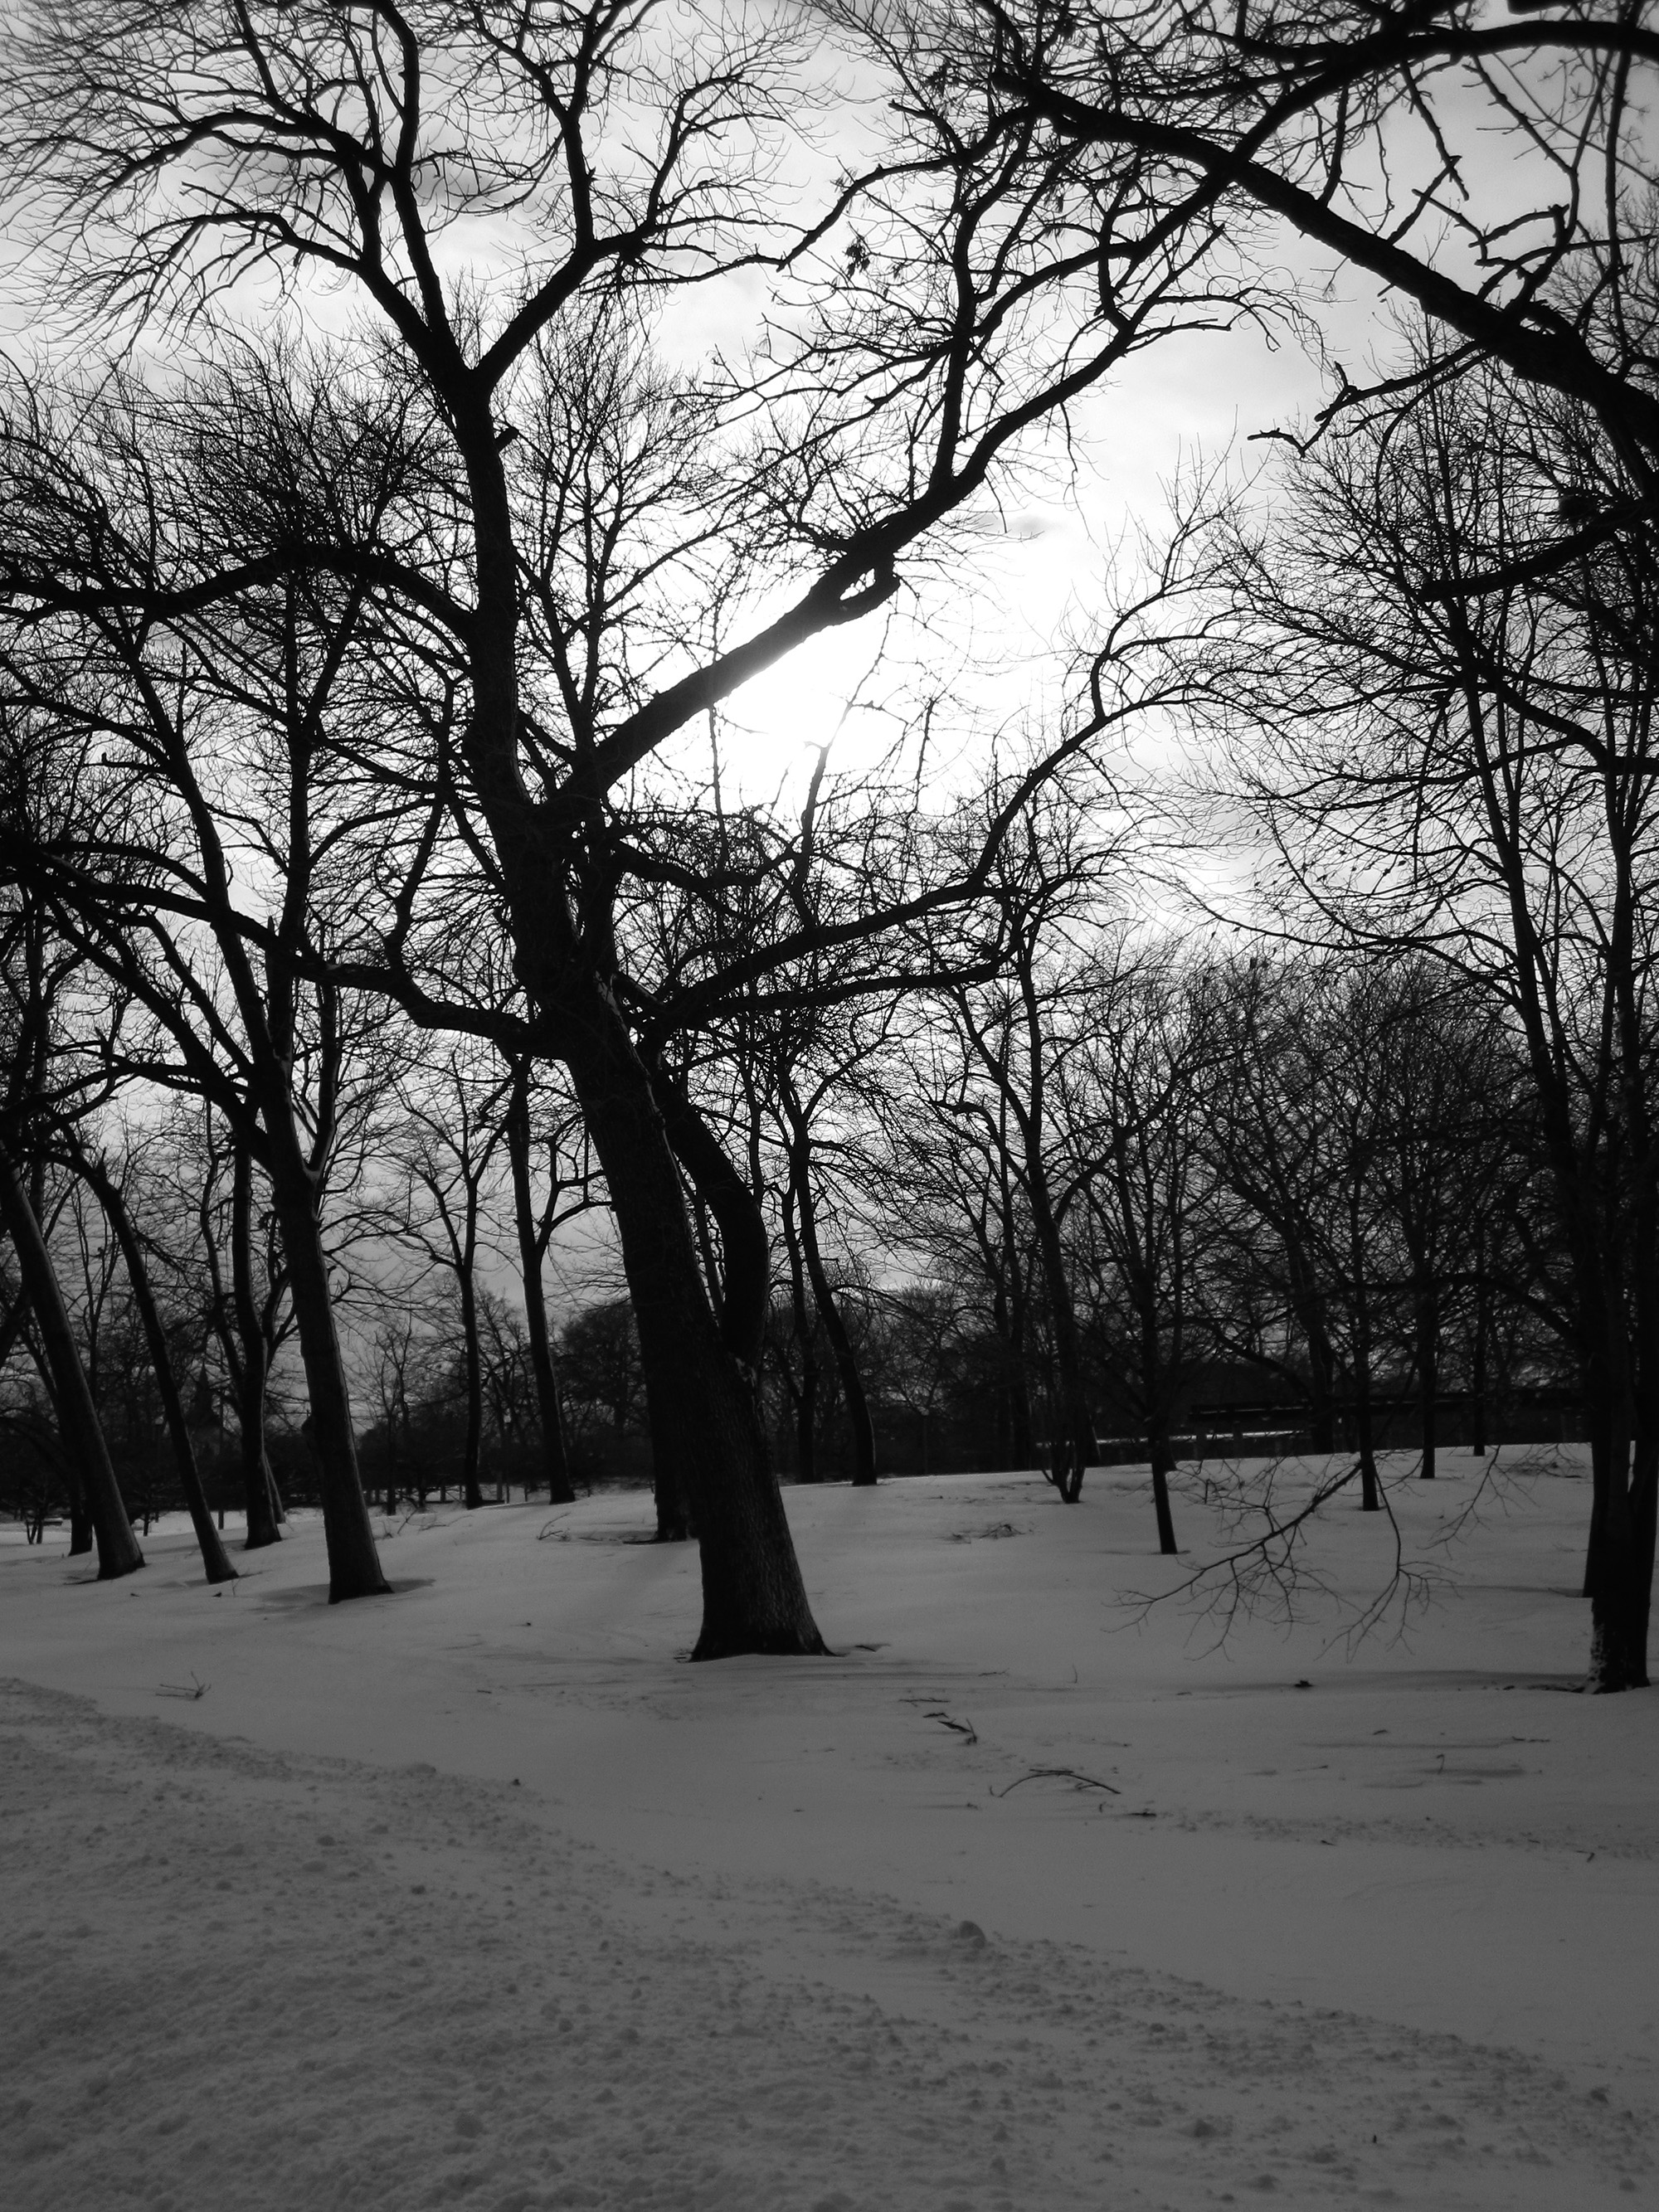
1461, 760
152, 765
1129, 1117
1350, 126
919, 344
454, 1118
95, 1172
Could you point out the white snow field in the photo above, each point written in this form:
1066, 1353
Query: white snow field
479, 1896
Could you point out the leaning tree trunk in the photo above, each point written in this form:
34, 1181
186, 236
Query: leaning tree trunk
354, 1565
258, 1487
118, 1547
215, 1559
754, 1600
555, 1456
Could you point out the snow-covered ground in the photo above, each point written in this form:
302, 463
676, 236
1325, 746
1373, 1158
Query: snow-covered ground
480, 1896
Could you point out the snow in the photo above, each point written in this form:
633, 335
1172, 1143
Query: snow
480, 1896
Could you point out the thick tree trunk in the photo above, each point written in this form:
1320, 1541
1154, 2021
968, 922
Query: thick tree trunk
1620, 1574
744, 1285
555, 1458
259, 1487
668, 1487
215, 1560
82, 1535
354, 1565
1619, 1567
118, 1553
753, 1597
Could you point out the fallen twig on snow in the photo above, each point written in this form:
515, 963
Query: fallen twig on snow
192, 1689
965, 1729
1059, 1774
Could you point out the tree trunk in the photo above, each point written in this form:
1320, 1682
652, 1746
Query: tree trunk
1160, 1452
1162, 1462
840, 1344
215, 1560
555, 1458
472, 1448
1428, 1379
1478, 1366
806, 1396
252, 1366
1620, 1578
1023, 1435
699, 1379
118, 1547
744, 1285
754, 1600
82, 1535
354, 1565
1371, 1497
668, 1487
1321, 1394
1072, 1447
1619, 1567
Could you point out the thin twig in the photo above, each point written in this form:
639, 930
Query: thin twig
1059, 1774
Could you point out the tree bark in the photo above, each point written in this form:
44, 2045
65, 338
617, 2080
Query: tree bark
118, 1553
754, 1600
81, 1533
215, 1560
